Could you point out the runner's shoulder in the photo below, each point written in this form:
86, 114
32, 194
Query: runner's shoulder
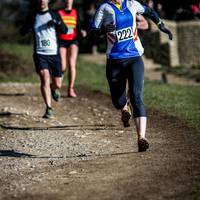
104, 7
54, 14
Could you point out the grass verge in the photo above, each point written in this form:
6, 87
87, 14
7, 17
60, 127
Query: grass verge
16, 63
175, 100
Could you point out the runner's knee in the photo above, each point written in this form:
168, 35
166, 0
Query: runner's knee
58, 85
138, 106
44, 77
119, 103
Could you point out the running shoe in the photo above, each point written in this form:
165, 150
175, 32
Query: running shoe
143, 145
48, 113
126, 115
55, 95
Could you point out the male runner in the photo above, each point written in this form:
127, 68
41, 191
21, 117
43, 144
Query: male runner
45, 24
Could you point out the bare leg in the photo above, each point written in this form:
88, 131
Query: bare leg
143, 143
56, 83
45, 86
125, 108
140, 124
63, 55
72, 57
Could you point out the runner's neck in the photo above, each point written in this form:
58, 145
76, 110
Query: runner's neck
44, 9
68, 10
117, 3
68, 7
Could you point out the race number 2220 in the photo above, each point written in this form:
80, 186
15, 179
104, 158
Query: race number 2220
124, 34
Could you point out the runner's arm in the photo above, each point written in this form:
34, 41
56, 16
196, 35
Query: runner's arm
145, 10
97, 26
141, 22
81, 32
58, 23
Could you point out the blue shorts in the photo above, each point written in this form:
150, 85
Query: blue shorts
50, 62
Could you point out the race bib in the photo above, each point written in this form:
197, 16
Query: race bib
70, 30
45, 43
124, 34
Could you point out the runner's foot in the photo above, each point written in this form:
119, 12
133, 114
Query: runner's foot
143, 145
126, 115
55, 94
48, 113
71, 93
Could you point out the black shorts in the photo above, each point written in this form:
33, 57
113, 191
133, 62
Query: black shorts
50, 62
67, 43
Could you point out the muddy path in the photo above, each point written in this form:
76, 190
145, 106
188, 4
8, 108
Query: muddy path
84, 153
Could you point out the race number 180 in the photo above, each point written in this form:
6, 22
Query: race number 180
45, 43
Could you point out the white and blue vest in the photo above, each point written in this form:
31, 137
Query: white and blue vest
45, 37
124, 41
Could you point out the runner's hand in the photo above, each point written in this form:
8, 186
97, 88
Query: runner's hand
83, 33
52, 23
110, 28
162, 27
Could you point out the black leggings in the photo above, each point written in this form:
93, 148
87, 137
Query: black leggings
118, 71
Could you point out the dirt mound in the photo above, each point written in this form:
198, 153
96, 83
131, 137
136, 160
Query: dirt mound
12, 65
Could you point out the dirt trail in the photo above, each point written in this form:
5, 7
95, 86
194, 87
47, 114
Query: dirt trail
84, 153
